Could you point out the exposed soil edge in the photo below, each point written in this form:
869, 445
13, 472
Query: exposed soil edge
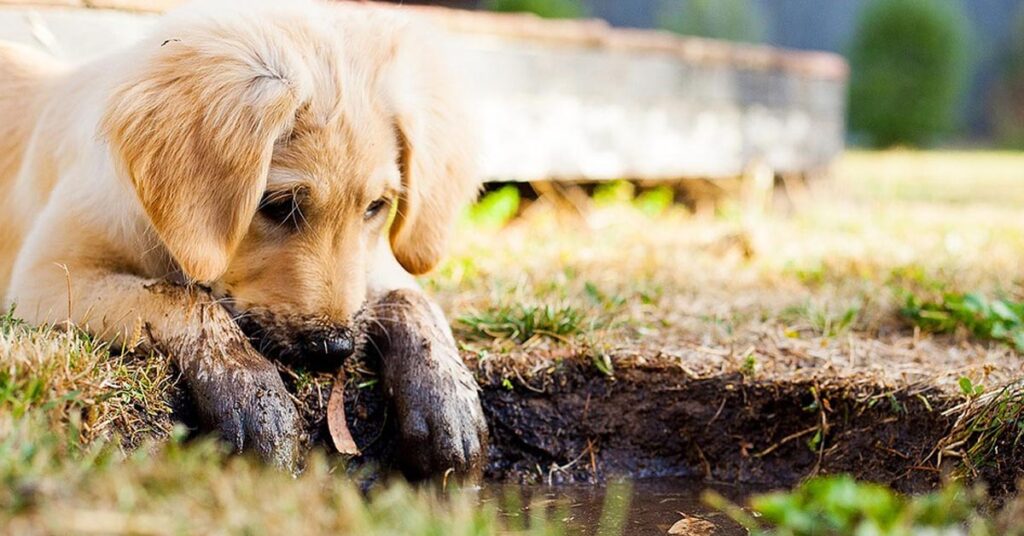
652, 421
658, 422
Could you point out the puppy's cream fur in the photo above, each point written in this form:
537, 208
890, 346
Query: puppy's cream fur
153, 161
149, 166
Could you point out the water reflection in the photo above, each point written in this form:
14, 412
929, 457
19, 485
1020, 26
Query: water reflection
638, 508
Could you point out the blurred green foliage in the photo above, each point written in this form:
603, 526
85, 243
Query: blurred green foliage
734, 20
549, 9
999, 319
840, 505
1008, 99
495, 209
651, 201
909, 66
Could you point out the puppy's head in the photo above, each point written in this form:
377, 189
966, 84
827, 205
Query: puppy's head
269, 150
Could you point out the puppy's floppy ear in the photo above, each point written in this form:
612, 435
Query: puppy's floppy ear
194, 127
439, 172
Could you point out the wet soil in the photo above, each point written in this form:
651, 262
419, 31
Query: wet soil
573, 424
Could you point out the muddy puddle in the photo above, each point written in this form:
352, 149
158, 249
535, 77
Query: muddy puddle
639, 507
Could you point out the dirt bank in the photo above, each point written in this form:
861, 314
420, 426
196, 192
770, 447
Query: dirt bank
574, 423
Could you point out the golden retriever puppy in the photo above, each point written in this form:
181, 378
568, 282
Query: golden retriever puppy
221, 192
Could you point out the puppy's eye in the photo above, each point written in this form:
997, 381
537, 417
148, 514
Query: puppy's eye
281, 208
376, 207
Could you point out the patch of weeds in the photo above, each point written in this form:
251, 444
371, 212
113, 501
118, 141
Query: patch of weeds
749, 367
608, 302
9, 322
521, 323
988, 423
998, 319
836, 505
495, 209
603, 363
822, 320
917, 278
811, 277
968, 387
895, 405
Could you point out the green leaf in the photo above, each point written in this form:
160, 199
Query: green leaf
1002, 309
966, 386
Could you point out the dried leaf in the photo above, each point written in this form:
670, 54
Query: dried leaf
692, 526
336, 424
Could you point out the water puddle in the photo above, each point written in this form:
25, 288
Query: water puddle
639, 508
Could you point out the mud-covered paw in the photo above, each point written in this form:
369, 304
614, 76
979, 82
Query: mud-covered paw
251, 409
435, 396
441, 424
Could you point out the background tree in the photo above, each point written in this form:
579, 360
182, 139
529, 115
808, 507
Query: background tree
909, 67
1007, 115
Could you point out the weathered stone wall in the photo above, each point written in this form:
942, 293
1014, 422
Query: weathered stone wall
572, 100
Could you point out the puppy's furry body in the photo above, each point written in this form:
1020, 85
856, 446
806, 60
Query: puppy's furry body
143, 198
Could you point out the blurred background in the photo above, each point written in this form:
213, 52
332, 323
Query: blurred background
924, 72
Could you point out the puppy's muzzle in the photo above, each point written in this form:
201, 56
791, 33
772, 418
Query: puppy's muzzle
308, 343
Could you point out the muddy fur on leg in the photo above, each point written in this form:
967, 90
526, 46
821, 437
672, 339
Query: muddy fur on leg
435, 397
234, 389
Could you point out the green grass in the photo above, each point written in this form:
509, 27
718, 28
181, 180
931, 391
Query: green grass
840, 505
988, 319
522, 323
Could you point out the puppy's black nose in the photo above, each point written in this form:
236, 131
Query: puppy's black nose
329, 351
340, 346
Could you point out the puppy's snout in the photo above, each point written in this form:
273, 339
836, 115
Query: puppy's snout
328, 350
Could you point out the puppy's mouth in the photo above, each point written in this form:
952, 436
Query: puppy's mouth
299, 341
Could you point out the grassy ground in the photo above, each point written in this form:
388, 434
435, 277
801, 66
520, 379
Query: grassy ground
845, 281
817, 290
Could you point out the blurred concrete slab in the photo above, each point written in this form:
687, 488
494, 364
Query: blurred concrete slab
573, 100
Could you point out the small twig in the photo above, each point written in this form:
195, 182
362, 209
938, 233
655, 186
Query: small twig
704, 462
785, 440
717, 413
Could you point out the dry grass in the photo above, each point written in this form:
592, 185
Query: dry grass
66, 377
87, 446
814, 291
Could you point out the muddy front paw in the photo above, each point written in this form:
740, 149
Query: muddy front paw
242, 397
434, 394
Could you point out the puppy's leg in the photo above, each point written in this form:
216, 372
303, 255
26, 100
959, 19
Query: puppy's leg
436, 398
236, 390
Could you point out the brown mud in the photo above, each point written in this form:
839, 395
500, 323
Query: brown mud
574, 424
